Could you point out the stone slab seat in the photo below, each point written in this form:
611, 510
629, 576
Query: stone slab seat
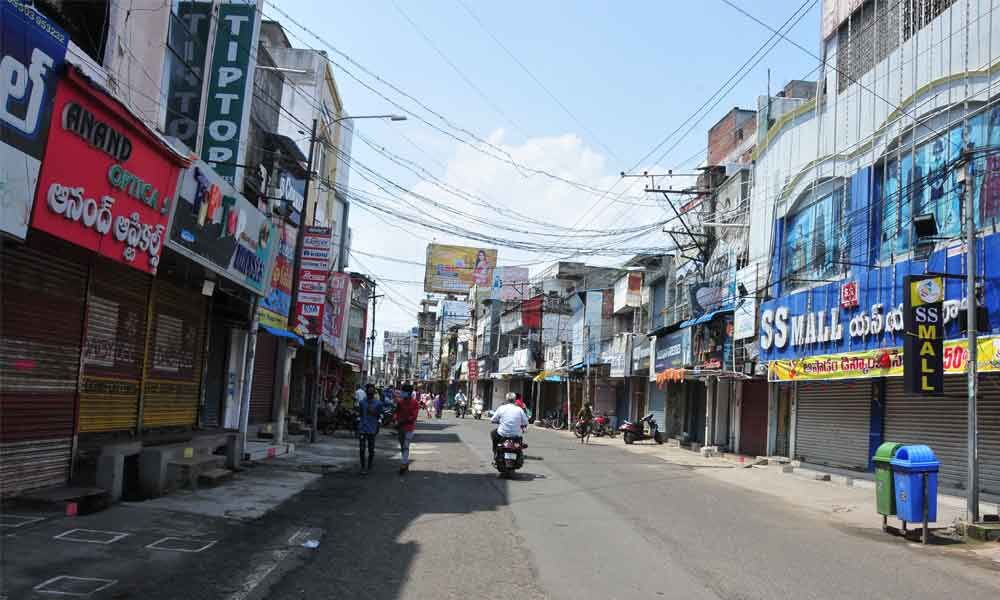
190, 468
156, 461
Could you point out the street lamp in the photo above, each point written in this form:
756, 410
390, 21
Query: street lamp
389, 117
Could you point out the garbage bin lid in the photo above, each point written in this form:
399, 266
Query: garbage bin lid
916, 458
886, 451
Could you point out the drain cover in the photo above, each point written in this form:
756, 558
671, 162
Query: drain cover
67, 585
176, 544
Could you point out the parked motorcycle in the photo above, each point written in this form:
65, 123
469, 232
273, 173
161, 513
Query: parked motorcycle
644, 429
508, 456
602, 427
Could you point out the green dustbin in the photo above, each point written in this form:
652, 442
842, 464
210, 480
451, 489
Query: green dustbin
885, 496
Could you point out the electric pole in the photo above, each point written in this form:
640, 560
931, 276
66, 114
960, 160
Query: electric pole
965, 180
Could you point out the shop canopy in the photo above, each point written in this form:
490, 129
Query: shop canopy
283, 333
705, 318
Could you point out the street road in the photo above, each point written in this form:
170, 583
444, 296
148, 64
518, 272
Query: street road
579, 522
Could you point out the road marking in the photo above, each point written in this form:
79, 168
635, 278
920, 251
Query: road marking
176, 544
64, 585
96, 536
15, 521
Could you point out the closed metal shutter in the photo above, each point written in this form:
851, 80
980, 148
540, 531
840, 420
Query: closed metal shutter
262, 388
989, 433
832, 423
753, 418
114, 347
657, 405
42, 291
938, 421
172, 385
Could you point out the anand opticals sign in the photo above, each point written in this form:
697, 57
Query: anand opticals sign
32, 49
455, 269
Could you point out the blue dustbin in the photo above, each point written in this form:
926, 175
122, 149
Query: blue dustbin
909, 467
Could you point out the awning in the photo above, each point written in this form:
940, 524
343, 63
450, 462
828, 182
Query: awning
548, 375
705, 318
284, 333
354, 366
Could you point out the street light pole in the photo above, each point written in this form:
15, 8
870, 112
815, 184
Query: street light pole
965, 180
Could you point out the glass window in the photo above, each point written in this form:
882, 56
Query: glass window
814, 238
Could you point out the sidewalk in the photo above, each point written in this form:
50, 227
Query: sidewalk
850, 506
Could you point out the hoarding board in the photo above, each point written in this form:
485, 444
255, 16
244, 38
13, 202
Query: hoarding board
276, 305
455, 269
314, 281
32, 49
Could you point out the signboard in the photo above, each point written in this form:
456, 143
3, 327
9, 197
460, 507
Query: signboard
849, 295
184, 86
455, 269
32, 49
314, 270
923, 344
106, 183
274, 307
885, 362
745, 311
673, 350
454, 312
227, 113
473, 369
335, 308
513, 282
555, 356
619, 356
215, 226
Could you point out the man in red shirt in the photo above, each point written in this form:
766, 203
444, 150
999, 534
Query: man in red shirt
407, 411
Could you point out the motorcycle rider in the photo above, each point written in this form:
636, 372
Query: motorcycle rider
511, 422
477, 406
460, 403
585, 419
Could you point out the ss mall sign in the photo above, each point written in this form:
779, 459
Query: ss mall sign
923, 344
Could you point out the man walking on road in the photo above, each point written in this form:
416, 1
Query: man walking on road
370, 410
407, 411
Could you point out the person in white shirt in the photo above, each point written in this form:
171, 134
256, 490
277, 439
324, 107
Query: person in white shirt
511, 421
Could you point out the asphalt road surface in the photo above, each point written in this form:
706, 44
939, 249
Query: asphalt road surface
578, 522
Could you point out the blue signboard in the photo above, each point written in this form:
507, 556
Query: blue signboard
32, 49
815, 321
673, 350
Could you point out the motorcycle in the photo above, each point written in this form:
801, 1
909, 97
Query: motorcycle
477, 412
634, 432
580, 429
508, 456
602, 427
460, 410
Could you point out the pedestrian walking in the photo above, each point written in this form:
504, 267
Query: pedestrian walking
585, 419
407, 411
370, 411
438, 405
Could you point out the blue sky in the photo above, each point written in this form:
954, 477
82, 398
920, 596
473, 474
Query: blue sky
630, 72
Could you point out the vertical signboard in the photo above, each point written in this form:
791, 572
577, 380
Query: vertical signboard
923, 344
274, 307
32, 49
188, 44
227, 112
314, 271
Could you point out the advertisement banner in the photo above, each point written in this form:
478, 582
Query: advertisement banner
513, 283
887, 362
454, 312
215, 226
227, 113
455, 269
32, 49
745, 311
335, 309
472, 368
185, 83
106, 183
923, 366
673, 350
274, 307
314, 271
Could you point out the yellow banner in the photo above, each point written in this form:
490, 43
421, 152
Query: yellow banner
883, 362
455, 269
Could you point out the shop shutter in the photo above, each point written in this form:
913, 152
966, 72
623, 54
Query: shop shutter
832, 423
989, 434
753, 418
262, 388
172, 384
42, 291
114, 347
657, 405
937, 421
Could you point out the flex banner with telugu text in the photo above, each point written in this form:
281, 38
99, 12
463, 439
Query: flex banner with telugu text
887, 362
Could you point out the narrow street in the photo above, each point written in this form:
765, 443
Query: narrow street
592, 521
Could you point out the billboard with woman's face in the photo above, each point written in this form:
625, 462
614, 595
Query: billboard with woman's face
455, 269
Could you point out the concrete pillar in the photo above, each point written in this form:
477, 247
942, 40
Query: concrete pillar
711, 385
737, 413
281, 392
772, 418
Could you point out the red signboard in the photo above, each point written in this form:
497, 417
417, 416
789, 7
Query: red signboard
531, 313
106, 182
314, 269
849, 295
473, 368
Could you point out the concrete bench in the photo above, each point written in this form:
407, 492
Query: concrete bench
155, 461
191, 468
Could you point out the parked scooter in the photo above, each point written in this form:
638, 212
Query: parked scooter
645, 429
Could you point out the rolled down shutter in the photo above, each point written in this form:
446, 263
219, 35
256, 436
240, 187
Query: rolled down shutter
937, 421
172, 386
989, 434
114, 344
753, 418
262, 388
832, 423
42, 291
657, 405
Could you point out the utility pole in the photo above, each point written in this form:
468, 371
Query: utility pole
965, 179
371, 338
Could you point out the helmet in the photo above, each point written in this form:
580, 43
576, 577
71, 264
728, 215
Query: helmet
511, 396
